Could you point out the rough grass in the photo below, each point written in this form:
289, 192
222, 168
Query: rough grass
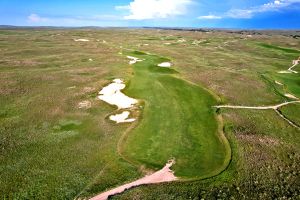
292, 113
50, 149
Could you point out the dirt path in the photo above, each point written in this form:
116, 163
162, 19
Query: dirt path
295, 63
163, 175
274, 107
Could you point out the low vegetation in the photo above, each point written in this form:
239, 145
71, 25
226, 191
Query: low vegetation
53, 148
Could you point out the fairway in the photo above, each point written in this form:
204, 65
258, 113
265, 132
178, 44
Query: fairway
177, 122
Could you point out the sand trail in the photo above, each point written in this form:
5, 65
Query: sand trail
163, 175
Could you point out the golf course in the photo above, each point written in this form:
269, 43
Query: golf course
164, 114
177, 122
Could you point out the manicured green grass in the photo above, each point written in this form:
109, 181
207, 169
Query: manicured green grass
291, 82
285, 50
178, 122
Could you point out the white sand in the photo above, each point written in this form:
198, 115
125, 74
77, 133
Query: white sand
90, 59
121, 118
181, 40
284, 72
85, 104
133, 60
163, 175
167, 43
290, 96
164, 64
295, 63
81, 40
278, 83
112, 94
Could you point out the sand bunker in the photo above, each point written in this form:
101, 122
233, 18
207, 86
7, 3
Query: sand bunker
164, 64
181, 40
112, 94
85, 104
284, 72
290, 96
121, 118
133, 60
163, 175
81, 40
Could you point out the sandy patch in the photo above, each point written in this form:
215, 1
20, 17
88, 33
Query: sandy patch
121, 118
284, 72
104, 42
274, 107
163, 175
181, 40
278, 83
84, 104
295, 63
88, 89
164, 64
290, 96
167, 43
146, 44
81, 40
91, 60
133, 60
112, 94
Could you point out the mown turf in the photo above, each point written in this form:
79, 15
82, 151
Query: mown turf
178, 122
285, 50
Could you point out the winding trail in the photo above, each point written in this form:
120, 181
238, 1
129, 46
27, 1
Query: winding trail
274, 107
163, 175
295, 63
290, 69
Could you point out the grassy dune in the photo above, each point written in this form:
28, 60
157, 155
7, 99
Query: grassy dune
178, 122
